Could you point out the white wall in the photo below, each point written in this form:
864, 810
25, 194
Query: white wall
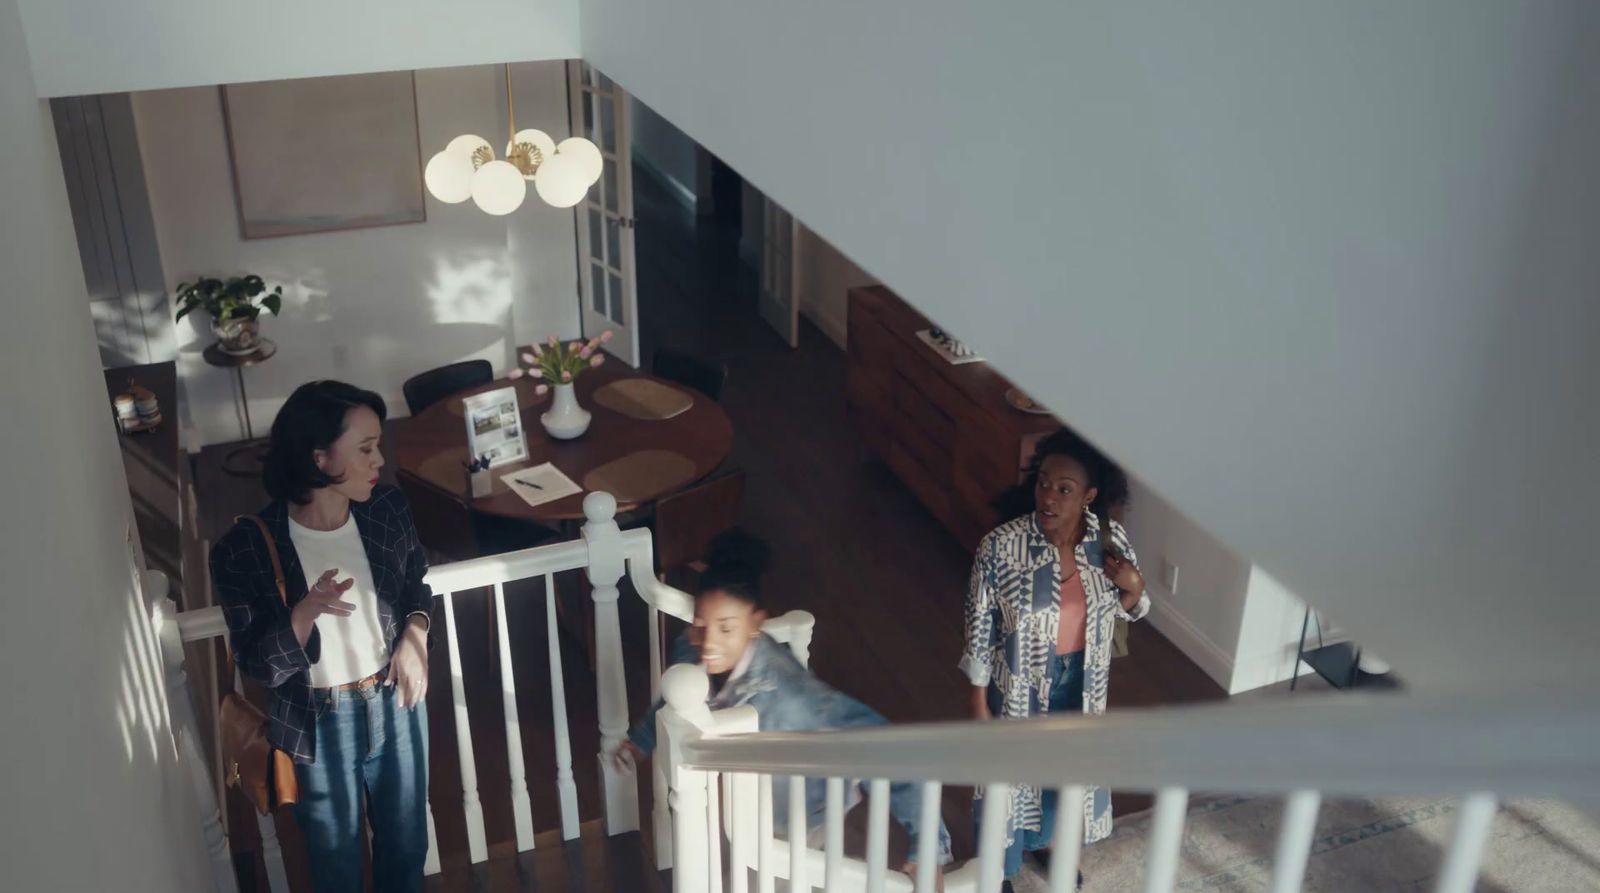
1340, 257
91, 796
372, 306
823, 279
89, 46
1230, 617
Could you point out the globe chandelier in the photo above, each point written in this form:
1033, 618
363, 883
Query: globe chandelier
467, 168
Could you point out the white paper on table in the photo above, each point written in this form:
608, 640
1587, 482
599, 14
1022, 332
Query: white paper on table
540, 484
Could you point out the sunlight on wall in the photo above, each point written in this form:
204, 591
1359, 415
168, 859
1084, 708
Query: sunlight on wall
475, 290
144, 712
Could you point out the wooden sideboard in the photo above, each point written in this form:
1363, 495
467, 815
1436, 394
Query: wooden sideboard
945, 430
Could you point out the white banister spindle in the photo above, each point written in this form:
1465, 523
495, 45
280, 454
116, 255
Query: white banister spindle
1069, 839
714, 830
764, 867
1166, 839
477, 840
797, 835
566, 785
834, 824
660, 813
992, 837
877, 835
742, 828
1473, 820
521, 806
272, 853
1294, 840
655, 653
186, 735
928, 843
691, 866
607, 564
430, 864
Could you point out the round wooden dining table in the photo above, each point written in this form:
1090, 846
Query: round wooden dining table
672, 453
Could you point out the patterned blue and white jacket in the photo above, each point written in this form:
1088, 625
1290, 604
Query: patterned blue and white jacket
1012, 618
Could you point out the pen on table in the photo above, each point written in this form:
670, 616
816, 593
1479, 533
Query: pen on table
528, 484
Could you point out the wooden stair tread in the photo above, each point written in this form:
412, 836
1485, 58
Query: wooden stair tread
594, 863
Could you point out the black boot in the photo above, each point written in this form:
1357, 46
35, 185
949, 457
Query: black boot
1005, 886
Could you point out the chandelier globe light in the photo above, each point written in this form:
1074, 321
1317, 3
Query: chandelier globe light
467, 168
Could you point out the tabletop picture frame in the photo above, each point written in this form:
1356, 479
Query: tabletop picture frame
494, 427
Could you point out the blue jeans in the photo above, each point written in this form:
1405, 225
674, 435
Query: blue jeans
371, 756
1066, 696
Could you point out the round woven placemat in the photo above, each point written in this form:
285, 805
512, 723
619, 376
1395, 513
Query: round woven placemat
644, 399
641, 476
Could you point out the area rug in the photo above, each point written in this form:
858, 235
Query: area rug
1360, 845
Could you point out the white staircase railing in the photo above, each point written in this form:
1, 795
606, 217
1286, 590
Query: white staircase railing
1475, 746
713, 772
605, 553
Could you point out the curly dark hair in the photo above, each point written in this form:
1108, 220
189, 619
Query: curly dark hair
735, 564
1104, 475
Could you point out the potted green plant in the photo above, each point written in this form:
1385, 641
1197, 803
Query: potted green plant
235, 307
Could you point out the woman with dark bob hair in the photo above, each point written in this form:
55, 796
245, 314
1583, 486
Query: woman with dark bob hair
345, 660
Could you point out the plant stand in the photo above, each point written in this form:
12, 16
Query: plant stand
245, 460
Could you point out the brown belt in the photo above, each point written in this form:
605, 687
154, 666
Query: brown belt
359, 684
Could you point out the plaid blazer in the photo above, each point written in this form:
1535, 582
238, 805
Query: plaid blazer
264, 645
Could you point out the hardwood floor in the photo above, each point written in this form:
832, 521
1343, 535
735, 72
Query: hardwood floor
851, 545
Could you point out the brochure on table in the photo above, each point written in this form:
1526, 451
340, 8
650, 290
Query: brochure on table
494, 427
540, 484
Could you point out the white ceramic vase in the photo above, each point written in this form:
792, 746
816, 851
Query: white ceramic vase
565, 420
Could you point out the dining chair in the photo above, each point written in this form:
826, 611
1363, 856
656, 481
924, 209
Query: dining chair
702, 375
687, 521
685, 524
427, 388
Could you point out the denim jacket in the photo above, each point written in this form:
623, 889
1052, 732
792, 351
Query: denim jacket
789, 698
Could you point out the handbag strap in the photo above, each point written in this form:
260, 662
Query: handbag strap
277, 578
272, 552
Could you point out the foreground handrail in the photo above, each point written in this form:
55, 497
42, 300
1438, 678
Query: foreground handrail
1537, 744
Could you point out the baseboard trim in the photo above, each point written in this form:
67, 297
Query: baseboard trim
833, 328
1195, 645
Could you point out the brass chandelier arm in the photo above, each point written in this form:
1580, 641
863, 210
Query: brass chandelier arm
511, 114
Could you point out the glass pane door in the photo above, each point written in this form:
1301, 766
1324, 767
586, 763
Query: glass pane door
607, 283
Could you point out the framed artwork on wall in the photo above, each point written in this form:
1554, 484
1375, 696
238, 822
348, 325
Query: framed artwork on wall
318, 154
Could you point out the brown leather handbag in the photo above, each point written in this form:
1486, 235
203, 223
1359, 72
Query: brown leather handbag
264, 774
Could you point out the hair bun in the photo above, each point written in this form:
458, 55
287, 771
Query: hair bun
735, 553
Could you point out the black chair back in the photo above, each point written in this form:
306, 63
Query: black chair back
428, 388
705, 377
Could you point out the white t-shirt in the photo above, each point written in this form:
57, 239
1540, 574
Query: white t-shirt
352, 647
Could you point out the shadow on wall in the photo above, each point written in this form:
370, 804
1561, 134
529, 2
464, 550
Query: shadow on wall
456, 305
132, 329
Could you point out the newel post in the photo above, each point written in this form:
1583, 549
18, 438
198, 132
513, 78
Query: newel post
185, 734
607, 563
685, 689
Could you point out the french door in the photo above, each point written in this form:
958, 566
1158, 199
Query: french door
607, 280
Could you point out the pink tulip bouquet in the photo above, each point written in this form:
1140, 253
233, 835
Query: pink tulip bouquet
554, 363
